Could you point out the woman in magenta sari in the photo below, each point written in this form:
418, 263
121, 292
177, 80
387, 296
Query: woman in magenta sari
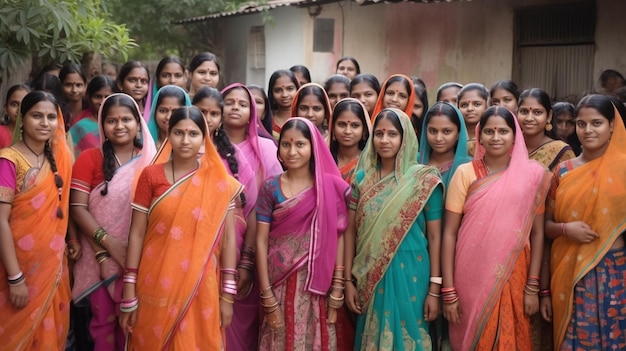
493, 240
301, 215
102, 186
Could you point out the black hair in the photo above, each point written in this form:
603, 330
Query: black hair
359, 111
267, 119
408, 85
108, 153
388, 114
608, 74
273, 78
201, 58
337, 79
49, 83
600, 103
13, 89
171, 91
368, 79
482, 91
500, 111
320, 94
70, 68
443, 108
447, 85
302, 70
187, 112
98, 82
351, 59
164, 61
304, 129
543, 99
207, 92
507, 85
30, 100
127, 68
559, 109
422, 95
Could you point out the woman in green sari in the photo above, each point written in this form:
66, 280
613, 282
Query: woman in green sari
392, 243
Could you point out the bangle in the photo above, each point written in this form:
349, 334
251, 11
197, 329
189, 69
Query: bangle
563, 230
15, 277
270, 306
131, 270
98, 235
227, 300
434, 295
436, 280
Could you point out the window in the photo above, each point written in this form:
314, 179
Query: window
256, 47
323, 35
555, 49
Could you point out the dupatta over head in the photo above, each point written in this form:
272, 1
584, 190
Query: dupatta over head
324, 222
593, 193
381, 234
112, 211
408, 110
39, 237
460, 152
152, 123
497, 219
178, 281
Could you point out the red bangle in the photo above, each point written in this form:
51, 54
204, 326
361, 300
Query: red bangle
73, 241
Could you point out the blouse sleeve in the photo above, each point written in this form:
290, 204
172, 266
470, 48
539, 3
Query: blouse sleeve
457, 190
554, 184
434, 206
82, 173
143, 192
265, 202
8, 180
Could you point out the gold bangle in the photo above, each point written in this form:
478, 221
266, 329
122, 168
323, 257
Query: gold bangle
227, 300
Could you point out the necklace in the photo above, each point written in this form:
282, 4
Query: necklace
34, 153
119, 163
173, 173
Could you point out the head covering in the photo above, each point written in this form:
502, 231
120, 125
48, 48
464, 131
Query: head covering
152, 124
408, 110
329, 221
326, 102
460, 153
147, 106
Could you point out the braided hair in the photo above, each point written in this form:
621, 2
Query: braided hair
224, 147
108, 153
30, 100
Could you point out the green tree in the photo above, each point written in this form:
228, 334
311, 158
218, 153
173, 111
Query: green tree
44, 31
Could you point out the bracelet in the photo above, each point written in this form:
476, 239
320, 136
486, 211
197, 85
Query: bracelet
273, 310
129, 305
98, 235
15, 277
436, 280
227, 300
563, 230
270, 306
129, 309
434, 295
131, 279
229, 286
545, 293
131, 270
533, 277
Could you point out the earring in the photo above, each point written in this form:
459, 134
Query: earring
549, 126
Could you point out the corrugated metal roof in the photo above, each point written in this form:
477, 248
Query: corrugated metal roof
253, 7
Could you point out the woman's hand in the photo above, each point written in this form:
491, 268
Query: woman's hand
18, 295
334, 301
275, 319
352, 298
531, 304
108, 268
431, 308
116, 248
579, 231
226, 311
452, 311
245, 281
127, 321
74, 250
545, 306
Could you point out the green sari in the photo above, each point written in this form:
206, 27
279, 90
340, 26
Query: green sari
392, 264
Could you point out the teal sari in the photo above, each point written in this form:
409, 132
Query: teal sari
392, 263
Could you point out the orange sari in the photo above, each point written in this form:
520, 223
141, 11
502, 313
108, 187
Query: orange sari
178, 281
593, 193
409, 105
39, 238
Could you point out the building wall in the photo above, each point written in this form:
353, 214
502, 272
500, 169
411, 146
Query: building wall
610, 37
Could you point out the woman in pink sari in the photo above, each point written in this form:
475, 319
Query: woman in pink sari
301, 216
102, 186
493, 240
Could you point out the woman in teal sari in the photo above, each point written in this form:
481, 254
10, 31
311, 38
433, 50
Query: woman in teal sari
393, 239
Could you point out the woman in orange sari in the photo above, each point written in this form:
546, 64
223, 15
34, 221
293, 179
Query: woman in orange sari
586, 218
34, 280
397, 92
177, 248
493, 240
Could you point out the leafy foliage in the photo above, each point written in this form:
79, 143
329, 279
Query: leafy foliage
57, 30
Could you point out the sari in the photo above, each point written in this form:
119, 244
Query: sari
113, 214
408, 110
85, 135
493, 248
552, 153
392, 265
347, 170
327, 108
6, 136
178, 282
151, 105
588, 292
302, 249
460, 153
39, 237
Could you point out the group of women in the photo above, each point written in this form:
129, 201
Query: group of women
342, 216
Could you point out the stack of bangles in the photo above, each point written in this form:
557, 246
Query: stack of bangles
102, 256
545, 293
248, 257
15, 280
229, 286
338, 284
532, 285
130, 277
449, 295
272, 307
99, 235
